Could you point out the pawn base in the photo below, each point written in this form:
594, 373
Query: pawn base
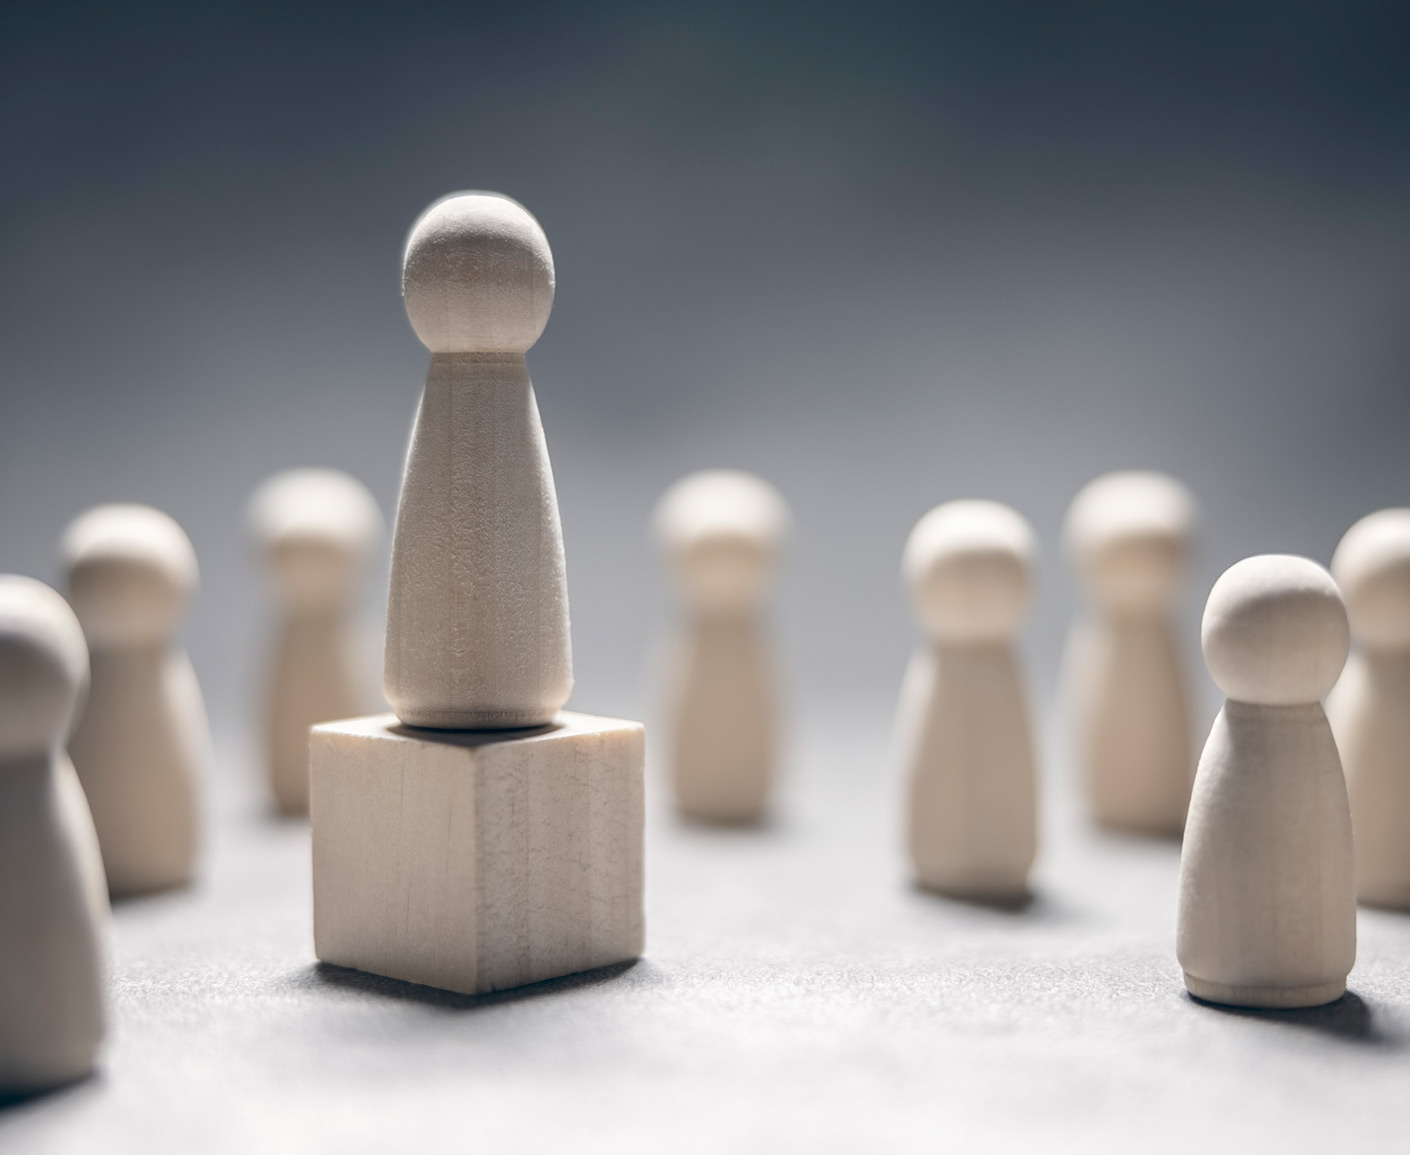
475, 861
1268, 998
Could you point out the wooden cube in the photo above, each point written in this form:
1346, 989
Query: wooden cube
475, 861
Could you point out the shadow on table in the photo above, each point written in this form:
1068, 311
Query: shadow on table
1349, 1019
13, 1100
329, 977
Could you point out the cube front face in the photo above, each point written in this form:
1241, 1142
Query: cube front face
476, 862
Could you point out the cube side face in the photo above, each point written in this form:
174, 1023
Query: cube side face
394, 865
559, 852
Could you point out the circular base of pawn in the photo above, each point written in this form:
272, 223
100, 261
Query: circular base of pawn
1268, 998
991, 893
1386, 898
476, 719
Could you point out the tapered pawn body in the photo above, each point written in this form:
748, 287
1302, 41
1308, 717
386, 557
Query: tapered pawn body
318, 530
963, 723
143, 750
722, 533
1267, 888
1125, 686
53, 900
1370, 707
477, 612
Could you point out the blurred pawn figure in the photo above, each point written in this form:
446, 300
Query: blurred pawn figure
1128, 535
722, 534
318, 530
53, 900
1370, 707
963, 726
144, 746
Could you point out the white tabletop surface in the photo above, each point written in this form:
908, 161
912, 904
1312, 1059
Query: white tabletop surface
796, 994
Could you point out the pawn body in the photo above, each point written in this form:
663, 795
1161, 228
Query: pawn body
143, 748
1267, 912
1370, 707
963, 723
1124, 679
722, 532
317, 530
53, 899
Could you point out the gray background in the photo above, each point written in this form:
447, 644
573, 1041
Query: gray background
884, 255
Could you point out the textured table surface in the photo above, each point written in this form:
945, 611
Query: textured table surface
796, 994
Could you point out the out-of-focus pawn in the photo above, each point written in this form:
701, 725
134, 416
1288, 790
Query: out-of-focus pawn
1267, 887
1125, 688
722, 534
143, 748
1370, 707
53, 901
963, 723
318, 530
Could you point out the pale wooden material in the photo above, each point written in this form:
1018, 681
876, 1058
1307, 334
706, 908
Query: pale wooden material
963, 727
318, 530
1267, 881
477, 614
1370, 707
722, 533
476, 861
144, 747
1124, 680
53, 899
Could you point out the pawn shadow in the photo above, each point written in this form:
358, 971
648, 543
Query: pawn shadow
327, 976
16, 1100
1349, 1019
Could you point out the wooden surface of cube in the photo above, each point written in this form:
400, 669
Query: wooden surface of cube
475, 861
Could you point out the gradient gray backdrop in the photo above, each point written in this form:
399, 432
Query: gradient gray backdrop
883, 255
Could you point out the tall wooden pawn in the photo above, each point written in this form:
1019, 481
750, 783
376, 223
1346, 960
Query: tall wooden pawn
53, 900
963, 723
1267, 878
144, 746
722, 533
1125, 687
477, 611
1370, 707
318, 530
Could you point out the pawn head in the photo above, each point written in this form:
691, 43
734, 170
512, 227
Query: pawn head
1372, 567
131, 572
43, 667
1275, 631
967, 566
318, 529
1128, 534
722, 532
477, 276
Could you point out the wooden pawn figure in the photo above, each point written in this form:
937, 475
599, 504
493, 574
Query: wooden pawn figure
1267, 889
143, 749
963, 724
53, 899
1370, 707
1128, 535
722, 533
477, 609
318, 530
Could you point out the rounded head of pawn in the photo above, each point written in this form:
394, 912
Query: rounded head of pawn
477, 276
968, 569
1275, 631
722, 532
318, 529
1372, 567
131, 572
1128, 534
43, 667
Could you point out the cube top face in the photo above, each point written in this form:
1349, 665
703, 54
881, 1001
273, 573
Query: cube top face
477, 861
